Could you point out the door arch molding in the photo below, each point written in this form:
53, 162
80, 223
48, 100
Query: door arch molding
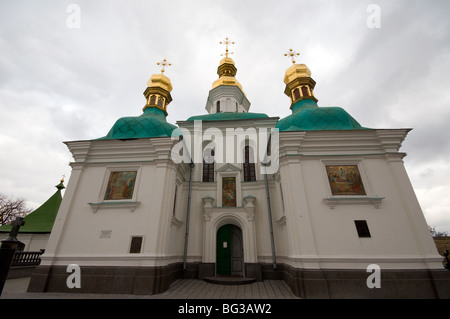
216, 217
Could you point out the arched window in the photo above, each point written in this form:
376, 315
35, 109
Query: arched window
296, 94
249, 165
218, 107
208, 165
305, 91
160, 101
153, 100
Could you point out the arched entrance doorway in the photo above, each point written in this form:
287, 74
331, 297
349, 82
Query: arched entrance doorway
230, 251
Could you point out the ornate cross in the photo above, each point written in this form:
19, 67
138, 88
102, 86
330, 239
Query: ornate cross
291, 53
164, 63
227, 42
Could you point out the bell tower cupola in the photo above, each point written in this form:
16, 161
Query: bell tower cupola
158, 90
226, 94
299, 84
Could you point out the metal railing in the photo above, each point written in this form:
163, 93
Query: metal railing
27, 258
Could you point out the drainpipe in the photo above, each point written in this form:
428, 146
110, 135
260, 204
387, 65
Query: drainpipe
274, 258
188, 213
269, 211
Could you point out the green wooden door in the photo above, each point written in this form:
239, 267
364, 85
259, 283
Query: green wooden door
223, 251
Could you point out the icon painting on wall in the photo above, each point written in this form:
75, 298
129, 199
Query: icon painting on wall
345, 180
120, 185
229, 192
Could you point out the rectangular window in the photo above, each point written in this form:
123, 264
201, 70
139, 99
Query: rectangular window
120, 185
249, 165
208, 172
208, 165
362, 228
136, 244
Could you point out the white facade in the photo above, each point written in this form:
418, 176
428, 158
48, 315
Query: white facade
318, 228
312, 228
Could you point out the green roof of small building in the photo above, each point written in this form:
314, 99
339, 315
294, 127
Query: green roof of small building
308, 116
227, 116
152, 123
42, 219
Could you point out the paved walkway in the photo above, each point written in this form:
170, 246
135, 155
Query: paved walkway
180, 289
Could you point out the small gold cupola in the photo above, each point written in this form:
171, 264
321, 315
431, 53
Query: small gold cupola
299, 84
158, 89
227, 69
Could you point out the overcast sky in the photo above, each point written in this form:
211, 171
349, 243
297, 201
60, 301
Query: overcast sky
67, 75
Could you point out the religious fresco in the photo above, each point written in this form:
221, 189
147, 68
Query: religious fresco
345, 180
120, 185
229, 192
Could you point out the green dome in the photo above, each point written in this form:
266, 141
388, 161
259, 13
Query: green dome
152, 123
227, 116
308, 116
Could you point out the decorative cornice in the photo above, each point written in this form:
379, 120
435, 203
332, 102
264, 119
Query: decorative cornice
121, 204
79, 149
228, 168
352, 200
176, 222
391, 140
114, 151
341, 143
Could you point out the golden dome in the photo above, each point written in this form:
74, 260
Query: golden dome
160, 80
226, 60
296, 71
227, 80
227, 72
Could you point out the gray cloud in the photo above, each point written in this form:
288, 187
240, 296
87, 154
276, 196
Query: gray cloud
58, 83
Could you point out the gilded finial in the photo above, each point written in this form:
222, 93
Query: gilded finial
62, 179
291, 53
164, 63
227, 42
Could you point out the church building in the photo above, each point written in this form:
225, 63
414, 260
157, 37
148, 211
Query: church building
314, 199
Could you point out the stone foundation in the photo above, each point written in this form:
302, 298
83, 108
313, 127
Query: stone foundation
312, 284
351, 284
104, 280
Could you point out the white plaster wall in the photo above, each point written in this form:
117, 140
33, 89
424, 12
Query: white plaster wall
78, 228
308, 234
397, 232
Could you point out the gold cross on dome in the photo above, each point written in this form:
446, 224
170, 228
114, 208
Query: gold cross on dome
227, 42
164, 63
291, 53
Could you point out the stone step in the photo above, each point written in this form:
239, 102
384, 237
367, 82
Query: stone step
229, 280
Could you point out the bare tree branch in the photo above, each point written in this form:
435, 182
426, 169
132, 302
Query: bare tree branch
10, 209
436, 233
